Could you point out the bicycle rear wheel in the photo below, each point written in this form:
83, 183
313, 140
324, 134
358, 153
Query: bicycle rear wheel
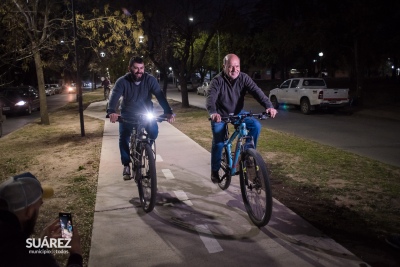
147, 180
255, 187
224, 171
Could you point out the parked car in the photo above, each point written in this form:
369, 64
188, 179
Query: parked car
57, 88
71, 89
189, 85
22, 99
203, 89
49, 89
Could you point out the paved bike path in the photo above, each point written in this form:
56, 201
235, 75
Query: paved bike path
194, 223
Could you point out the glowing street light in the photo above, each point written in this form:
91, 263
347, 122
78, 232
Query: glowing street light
320, 63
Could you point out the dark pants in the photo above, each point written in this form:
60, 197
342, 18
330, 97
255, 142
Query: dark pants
125, 131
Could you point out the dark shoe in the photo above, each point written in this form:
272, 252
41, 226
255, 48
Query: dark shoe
394, 241
126, 173
215, 177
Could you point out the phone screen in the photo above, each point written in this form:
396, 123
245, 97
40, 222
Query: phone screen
66, 225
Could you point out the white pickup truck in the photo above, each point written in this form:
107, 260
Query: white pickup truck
309, 94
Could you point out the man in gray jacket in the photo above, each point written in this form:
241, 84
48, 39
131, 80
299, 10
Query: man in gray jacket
226, 96
136, 87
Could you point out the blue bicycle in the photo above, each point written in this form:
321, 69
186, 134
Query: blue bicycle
248, 163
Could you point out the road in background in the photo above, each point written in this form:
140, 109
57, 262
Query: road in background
362, 133
14, 122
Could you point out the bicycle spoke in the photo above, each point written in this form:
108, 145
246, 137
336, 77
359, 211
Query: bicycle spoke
255, 188
224, 171
147, 183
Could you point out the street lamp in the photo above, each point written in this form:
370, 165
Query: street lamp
320, 63
141, 39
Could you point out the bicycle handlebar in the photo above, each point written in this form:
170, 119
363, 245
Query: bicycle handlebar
160, 118
240, 117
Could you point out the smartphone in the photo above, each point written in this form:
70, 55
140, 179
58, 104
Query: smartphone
66, 225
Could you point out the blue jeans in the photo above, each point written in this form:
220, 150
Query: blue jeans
219, 131
125, 131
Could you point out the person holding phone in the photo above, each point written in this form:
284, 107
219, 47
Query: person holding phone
21, 197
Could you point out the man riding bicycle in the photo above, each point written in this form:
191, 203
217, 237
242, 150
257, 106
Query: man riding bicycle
136, 88
226, 96
106, 86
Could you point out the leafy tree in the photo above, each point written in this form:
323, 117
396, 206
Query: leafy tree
112, 32
171, 38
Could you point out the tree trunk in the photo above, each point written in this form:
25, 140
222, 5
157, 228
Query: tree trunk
165, 84
184, 94
44, 115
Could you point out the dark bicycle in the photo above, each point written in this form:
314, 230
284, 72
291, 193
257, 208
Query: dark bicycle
143, 157
246, 161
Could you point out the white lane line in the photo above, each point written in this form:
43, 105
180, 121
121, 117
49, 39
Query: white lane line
210, 242
168, 174
158, 158
183, 197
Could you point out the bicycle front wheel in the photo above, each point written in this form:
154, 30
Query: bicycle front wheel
255, 187
147, 180
224, 171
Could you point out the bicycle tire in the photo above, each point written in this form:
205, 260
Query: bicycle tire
224, 171
255, 187
147, 179
133, 154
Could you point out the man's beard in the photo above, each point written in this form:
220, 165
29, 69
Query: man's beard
135, 78
29, 225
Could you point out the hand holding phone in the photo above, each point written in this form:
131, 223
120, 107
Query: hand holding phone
66, 224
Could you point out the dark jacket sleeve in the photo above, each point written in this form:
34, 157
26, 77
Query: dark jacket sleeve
75, 260
212, 96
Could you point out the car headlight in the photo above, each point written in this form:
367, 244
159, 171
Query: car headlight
20, 103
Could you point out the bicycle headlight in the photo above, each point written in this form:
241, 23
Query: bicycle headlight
149, 116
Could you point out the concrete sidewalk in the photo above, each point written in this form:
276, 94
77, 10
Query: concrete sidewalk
194, 223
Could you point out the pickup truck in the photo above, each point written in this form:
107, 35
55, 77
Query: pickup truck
309, 94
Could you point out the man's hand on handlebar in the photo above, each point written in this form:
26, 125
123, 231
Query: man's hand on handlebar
170, 117
215, 117
272, 112
113, 117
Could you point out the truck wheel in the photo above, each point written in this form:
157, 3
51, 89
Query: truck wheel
274, 102
28, 110
305, 106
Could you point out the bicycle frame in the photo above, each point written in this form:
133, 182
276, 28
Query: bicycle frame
241, 133
140, 137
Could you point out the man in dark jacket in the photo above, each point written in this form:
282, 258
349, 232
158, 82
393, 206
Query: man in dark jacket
226, 96
136, 88
20, 201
